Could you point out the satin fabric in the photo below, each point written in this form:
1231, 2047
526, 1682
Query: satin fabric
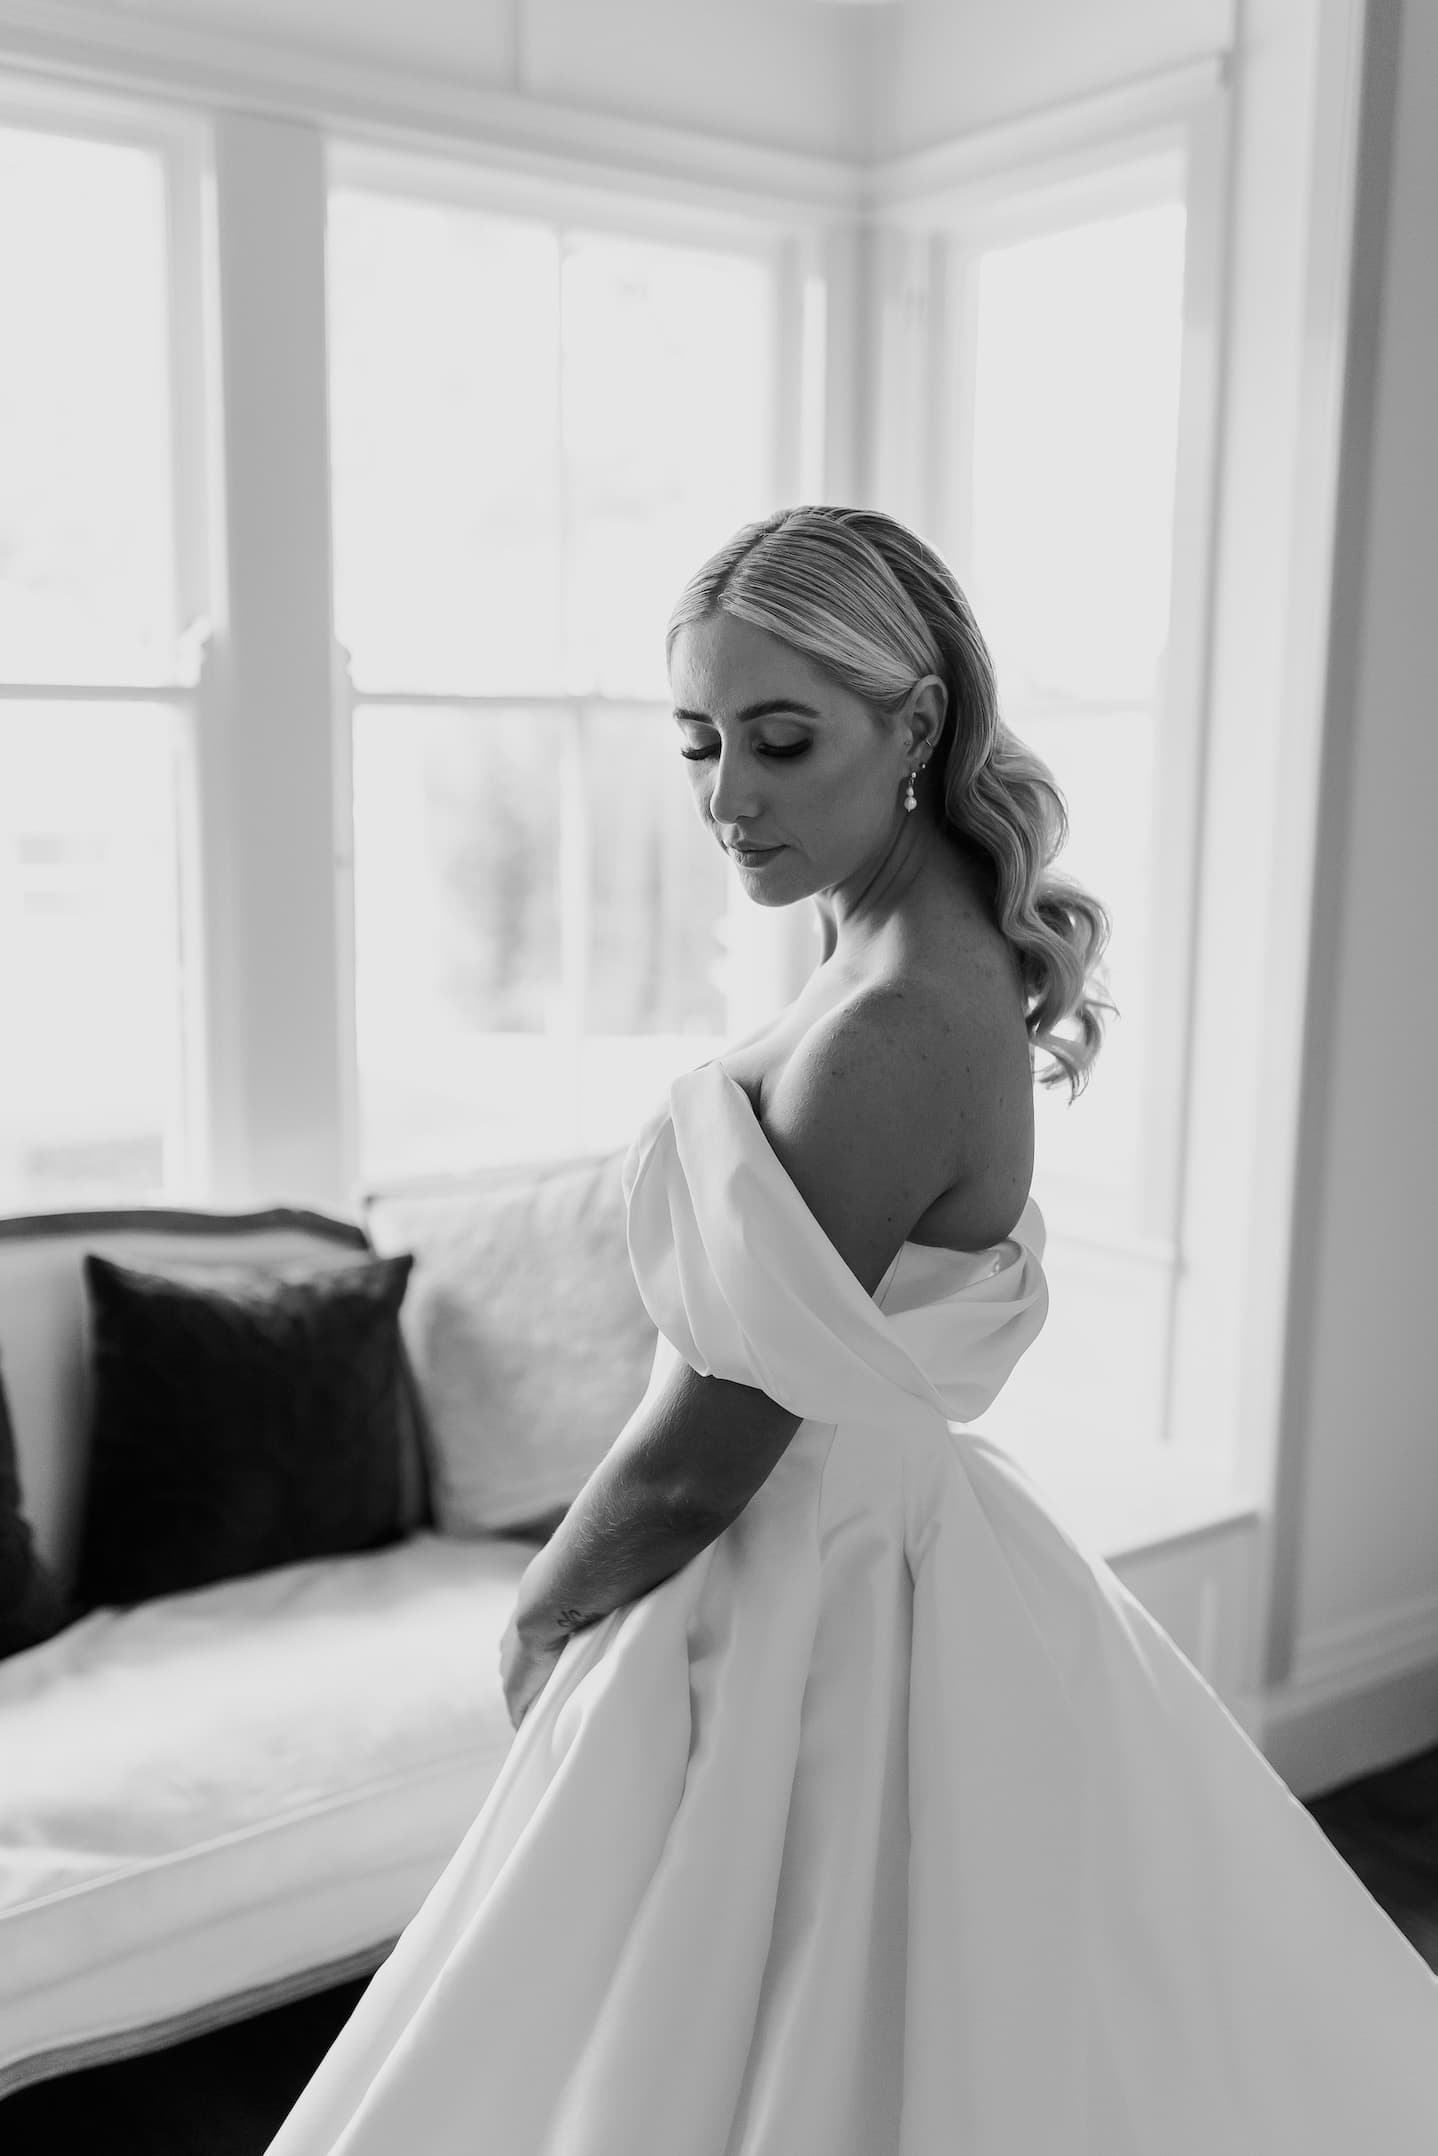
891, 1825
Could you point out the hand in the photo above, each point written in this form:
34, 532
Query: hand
524, 1669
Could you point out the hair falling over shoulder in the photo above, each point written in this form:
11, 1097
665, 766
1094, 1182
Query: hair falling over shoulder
878, 608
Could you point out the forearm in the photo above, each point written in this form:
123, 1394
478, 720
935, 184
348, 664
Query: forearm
624, 1533
684, 1467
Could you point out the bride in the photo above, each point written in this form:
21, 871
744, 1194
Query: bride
908, 1052
853, 1809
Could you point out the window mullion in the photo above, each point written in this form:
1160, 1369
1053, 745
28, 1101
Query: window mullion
573, 838
280, 1121
901, 263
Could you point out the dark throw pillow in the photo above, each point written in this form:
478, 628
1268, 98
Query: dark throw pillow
32, 1607
239, 1420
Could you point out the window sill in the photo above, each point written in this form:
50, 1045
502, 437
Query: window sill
1136, 1503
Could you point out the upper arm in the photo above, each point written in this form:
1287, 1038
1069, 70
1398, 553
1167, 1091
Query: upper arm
878, 1112
869, 1119
706, 1443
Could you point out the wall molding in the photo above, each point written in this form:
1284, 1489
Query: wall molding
409, 107
1060, 138
1375, 1644
542, 139
1359, 1691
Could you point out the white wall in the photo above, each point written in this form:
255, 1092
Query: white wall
948, 67
1357, 1579
788, 74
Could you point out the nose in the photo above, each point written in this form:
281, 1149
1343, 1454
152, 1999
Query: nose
734, 797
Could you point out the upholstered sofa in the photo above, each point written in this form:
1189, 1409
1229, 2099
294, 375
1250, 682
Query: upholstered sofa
216, 1798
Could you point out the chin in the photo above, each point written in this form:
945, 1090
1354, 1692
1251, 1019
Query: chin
774, 886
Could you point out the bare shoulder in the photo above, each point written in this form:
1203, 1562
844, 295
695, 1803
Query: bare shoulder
942, 1047
880, 1024
881, 1110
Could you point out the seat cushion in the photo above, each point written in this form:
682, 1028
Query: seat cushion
206, 1794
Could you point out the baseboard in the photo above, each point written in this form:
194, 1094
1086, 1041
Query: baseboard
1364, 1697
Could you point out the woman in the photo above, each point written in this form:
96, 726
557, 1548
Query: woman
852, 1809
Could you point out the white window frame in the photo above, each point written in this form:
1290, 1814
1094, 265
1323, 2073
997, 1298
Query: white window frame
770, 952
1166, 142
177, 137
1273, 184
1187, 170
266, 809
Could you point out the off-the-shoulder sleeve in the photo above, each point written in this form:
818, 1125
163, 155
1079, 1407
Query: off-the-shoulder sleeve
738, 1275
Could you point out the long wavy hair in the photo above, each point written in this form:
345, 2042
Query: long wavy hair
878, 609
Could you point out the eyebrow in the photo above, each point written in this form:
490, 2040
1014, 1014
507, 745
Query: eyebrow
755, 711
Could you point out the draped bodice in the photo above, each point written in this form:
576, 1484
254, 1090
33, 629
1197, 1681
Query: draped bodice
740, 1278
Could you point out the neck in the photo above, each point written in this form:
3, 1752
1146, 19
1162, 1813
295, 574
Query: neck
924, 868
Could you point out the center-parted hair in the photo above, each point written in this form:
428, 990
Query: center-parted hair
874, 606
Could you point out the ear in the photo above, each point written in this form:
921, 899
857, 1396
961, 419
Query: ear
925, 712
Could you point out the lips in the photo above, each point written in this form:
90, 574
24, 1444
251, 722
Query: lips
753, 849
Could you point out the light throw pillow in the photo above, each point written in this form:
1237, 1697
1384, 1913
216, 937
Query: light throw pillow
530, 1344
241, 1418
32, 1605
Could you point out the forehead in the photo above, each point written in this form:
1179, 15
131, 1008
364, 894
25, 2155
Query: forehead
719, 661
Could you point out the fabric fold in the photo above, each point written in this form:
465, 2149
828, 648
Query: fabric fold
738, 1275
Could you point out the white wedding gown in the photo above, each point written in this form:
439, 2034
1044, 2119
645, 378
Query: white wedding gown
891, 1825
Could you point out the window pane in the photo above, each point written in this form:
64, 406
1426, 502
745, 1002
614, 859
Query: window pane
444, 399
90, 972
669, 366
658, 887
1076, 391
458, 966
1075, 431
1072, 463
86, 544
536, 915
536, 437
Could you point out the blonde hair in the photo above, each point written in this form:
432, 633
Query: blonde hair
878, 609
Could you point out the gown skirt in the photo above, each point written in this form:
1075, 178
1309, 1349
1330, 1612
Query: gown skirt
891, 1824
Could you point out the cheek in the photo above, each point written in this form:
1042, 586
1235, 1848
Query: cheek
842, 797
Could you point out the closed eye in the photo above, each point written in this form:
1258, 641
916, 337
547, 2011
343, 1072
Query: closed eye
700, 756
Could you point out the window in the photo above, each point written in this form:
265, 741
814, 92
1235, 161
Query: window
91, 702
539, 430
1066, 367
1076, 352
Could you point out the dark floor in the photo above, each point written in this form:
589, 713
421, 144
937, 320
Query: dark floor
227, 2093
223, 2094
1386, 1825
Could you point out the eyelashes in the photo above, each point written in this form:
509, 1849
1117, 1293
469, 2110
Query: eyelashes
702, 756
